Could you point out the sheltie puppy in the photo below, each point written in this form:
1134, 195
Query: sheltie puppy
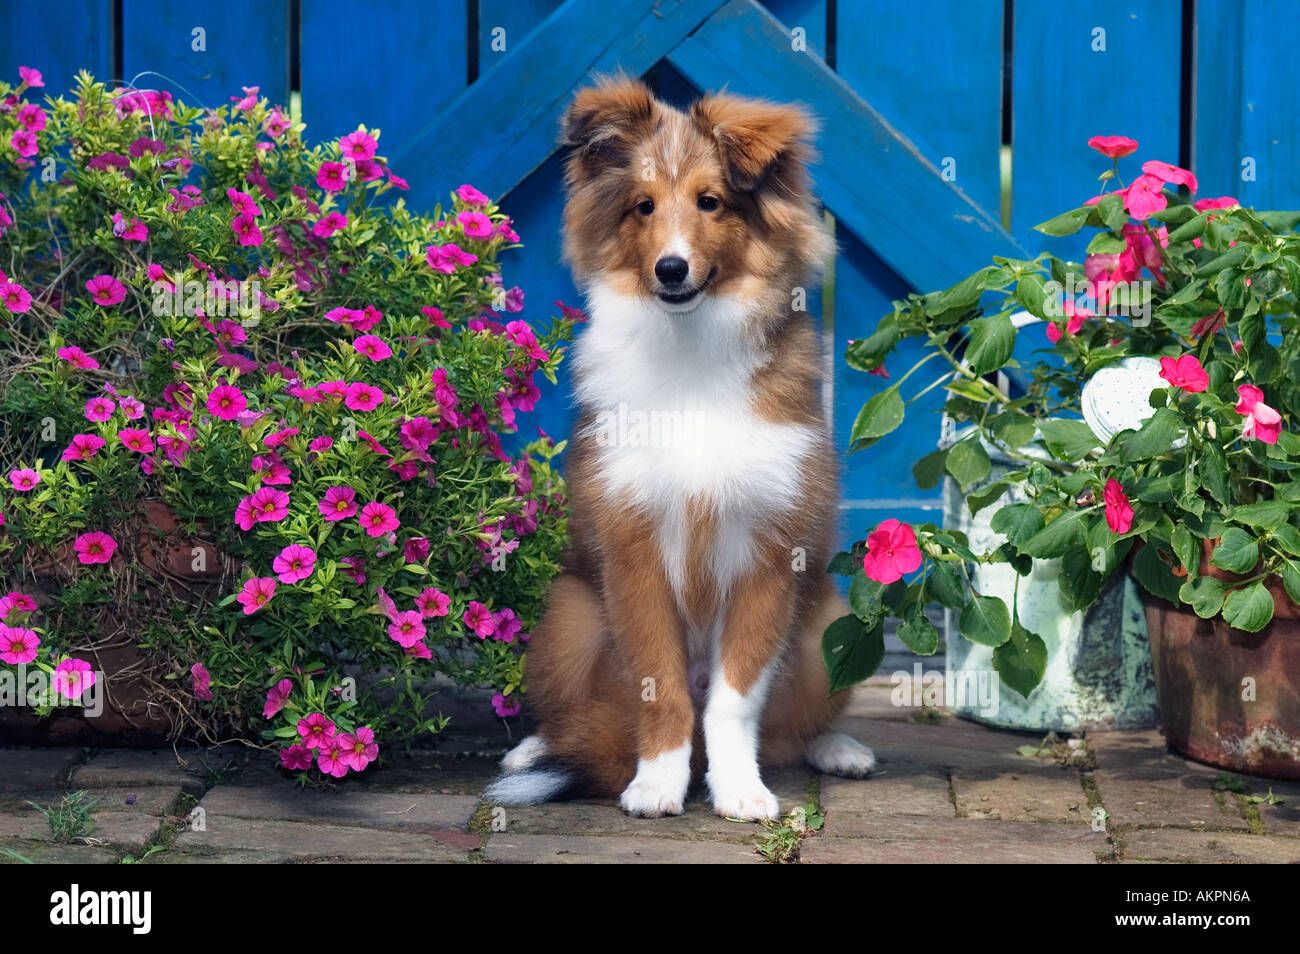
684, 635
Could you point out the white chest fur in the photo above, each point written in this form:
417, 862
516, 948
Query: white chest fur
675, 424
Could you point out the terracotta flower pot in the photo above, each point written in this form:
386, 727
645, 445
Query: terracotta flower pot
159, 563
1228, 697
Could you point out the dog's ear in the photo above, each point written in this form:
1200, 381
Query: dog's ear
754, 136
604, 117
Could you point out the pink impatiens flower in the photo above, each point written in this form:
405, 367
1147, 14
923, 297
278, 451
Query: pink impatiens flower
1074, 322
1145, 196
226, 402
94, 547
24, 478
891, 552
480, 619
295, 562
83, 447
78, 358
106, 290
1114, 147
406, 629
18, 645
339, 504
373, 347
433, 602
358, 749
316, 730
1222, 202
73, 677
378, 519
1169, 173
202, 680
256, 593
1262, 422
276, 697
1119, 514
1185, 372
363, 397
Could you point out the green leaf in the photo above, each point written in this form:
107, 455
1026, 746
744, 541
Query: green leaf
1214, 473
965, 294
918, 634
1206, 595
1067, 223
866, 598
992, 340
1291, 580
879, 416
1288, 538
1249, 609
1192, 228
1266, 515
929, 470
1188, 293
1155, 575
945, 586
1080, 583
986, 497
867, 354
968, 462
1013, 428
1068, 440
1112, 212
852, 652
1188, 550
1156, 436
1103, 243
1053, 540
1021, 660
844, 564
986, 621
1031, 291
1018, 522
1237, 552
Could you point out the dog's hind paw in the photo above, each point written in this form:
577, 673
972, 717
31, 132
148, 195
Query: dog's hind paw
836, 753
524, 755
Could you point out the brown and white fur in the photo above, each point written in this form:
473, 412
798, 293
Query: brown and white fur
685, 632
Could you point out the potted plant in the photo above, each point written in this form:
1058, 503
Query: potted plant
1154, 435
256, 429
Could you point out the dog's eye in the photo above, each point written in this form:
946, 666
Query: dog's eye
646, 207
707, 203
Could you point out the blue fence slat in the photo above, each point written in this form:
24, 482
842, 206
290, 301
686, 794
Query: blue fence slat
504, 23
244, 43
1064, 92
807, 15
389, 66
1245, 140
871, 178
41, 35
942, 88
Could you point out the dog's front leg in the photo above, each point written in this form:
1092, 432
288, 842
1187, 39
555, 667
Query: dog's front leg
760, 614
647, 629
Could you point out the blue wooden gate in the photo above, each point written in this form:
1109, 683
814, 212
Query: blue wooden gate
950, 126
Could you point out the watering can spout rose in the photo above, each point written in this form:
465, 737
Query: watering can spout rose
1152, 434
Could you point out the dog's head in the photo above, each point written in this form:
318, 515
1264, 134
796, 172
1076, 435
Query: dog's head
676, 206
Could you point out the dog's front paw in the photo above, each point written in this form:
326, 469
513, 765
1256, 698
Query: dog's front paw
837, 753
659, 787
750, 801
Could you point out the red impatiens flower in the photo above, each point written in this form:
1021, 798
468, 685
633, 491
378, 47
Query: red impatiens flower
1145, 196
1262, 422
891, 552
1115, 147
1169, 173
1185, 372
1119, 515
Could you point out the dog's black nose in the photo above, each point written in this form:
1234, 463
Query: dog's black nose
671, 270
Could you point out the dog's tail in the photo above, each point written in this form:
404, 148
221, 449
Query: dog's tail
531, 786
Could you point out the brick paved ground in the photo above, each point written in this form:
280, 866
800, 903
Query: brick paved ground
946, 791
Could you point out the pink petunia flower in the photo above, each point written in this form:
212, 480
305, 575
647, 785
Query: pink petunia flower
358, 145
471, 196
433, 602
24, 479
1222, 202
332, 176
202, 680
321, 444
31, 77
476, 225
295, 562
83, 447
373, 347
296, 758
106, 290
480, 619
15, 298
243, 202
269, 504
32, 116
415, 549
257, 592
406, 629
316, 730
891, 552
508, 625
226, 402
78, 358
132, 407
276, 697
18, 645
246, 230
447, 258
94, 547
363, 397
1119, 514
1262, 422
136, 439
378, 519
339, 504
358, 749
99, 409
506, 708
73, 677
1185, 372
328, 224
23, 141
329, 761
133, 231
